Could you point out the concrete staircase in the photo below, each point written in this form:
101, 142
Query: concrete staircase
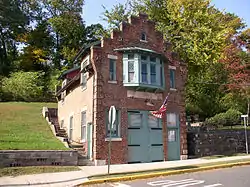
60, 132
82, 157
52, 114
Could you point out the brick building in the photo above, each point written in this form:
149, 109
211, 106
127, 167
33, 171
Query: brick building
133, 70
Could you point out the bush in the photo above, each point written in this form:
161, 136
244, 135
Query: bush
229, 118
25, 86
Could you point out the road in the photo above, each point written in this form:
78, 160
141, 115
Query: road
230, 177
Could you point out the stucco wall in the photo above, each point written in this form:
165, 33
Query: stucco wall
74, 103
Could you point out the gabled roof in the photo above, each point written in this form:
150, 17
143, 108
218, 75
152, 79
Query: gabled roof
85, 49
68, 71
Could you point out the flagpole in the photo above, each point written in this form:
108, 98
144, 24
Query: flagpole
164, 136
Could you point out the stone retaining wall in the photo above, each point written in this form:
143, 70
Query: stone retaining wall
13, 158
216, 142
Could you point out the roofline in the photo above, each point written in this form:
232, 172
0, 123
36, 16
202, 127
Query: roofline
68, 71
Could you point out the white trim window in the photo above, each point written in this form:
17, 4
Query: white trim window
63, 94
84, 75
83, 126
71, 124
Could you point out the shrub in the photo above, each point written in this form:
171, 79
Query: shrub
229, 118
25, 86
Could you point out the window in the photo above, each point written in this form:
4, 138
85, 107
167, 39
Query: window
171, 135
171, 120
143, 36
153, 73
83, 78
153, 122
62, 124
172, 78
112, 69
131, 71
63, 94
71, 127
135, 120
83, 125
115, 131
131, 68
142, 70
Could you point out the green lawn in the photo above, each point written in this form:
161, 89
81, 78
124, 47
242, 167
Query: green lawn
22, 126
15, 171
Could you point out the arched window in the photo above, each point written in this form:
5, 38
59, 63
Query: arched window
143, 36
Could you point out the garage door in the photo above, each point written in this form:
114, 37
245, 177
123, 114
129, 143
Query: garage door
144, 138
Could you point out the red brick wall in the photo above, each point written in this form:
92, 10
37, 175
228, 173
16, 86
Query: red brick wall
116, 94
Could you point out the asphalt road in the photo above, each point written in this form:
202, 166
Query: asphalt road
230, 177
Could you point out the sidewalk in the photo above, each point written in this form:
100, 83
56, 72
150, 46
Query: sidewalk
77, 177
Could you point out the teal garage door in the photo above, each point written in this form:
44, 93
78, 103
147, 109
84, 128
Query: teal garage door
173, 128
144, 138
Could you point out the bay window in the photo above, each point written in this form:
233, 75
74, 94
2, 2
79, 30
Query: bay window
142, 70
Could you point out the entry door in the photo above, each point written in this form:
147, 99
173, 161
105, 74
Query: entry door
173, 136
70, 128
137, 138
144, 138
89, 140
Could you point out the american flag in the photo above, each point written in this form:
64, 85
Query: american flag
159, 113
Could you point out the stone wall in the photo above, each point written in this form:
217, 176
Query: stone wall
216, 142
13, 158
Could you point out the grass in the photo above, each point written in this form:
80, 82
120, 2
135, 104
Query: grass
222, 156
236, 127
22, 127
168, 169
15, 171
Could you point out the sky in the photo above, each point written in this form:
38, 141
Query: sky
93, 8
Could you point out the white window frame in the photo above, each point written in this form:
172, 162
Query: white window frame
71, 128
168, 119
84, 76
113, 57
62, 125
172, 68
63, 94
84, 139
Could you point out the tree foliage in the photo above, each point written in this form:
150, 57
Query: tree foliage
228, 118
200, 34
26, 86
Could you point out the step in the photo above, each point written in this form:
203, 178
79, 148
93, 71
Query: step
85, 162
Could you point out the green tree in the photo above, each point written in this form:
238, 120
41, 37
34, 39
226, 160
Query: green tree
26, 86
12, 23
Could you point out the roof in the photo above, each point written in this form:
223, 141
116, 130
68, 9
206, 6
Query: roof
68, 71
77, 77
82, 51
85, 49
137, 49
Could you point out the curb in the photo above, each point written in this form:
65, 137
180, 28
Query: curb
158, 174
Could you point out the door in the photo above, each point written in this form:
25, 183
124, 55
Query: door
144, 138
173, 136
70, 128
89, 140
